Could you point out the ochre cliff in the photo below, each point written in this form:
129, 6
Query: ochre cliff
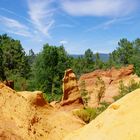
111, 79
121, 121
26, 116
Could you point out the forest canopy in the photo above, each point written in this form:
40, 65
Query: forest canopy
44, 70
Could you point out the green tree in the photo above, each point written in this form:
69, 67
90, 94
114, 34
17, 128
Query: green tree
122, 55
125, 54
14, 58
50, 59
98, 62
2, 73
31, 57
78, 65
14, 62
125, 51
135, 58
88, 64
89, 57
49, 68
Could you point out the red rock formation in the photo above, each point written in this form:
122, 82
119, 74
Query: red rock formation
9, 83
111, 79
71, 93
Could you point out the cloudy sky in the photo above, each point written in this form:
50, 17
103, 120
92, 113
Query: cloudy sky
77, 24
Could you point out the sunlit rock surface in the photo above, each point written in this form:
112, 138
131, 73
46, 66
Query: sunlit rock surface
71, 93
26, 116
121, 121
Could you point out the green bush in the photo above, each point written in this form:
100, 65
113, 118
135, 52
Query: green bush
100, 85
84, 93
103, 106
49, 97
86, 114
125, 89
20, 83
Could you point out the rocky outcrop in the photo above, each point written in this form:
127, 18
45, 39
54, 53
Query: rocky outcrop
35, 98
111, 79
113, 73
121, 121
71, 93
26, 116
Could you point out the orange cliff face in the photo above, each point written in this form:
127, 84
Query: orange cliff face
111, 79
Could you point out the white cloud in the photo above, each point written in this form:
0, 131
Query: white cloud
104, 25
109, 23
63, 42
38, 23
112, 8
15, 14
14, 26
41, 15
11, 23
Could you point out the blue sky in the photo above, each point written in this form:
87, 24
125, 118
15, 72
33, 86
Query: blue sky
77, 24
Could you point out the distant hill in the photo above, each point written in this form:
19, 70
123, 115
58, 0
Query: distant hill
104, 57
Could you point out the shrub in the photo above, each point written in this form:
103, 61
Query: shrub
86, 114
103, 106
52, 97
100, 85
84, 93
123, 90
20, 83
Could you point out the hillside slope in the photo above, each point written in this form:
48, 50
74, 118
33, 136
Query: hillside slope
26, 116
121, 121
